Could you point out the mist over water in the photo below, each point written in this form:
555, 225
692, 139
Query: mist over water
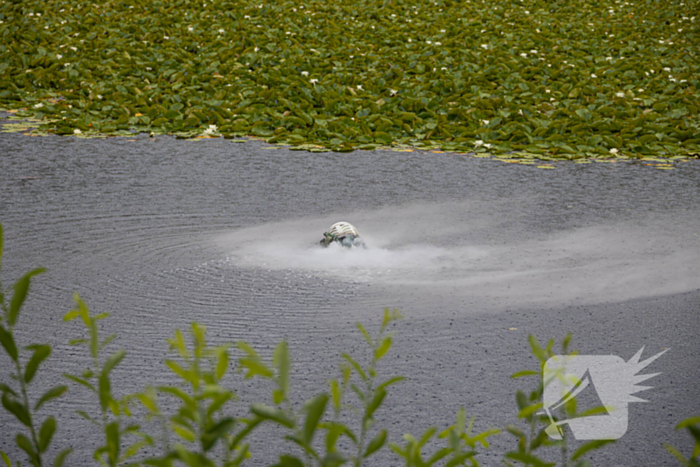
454, 252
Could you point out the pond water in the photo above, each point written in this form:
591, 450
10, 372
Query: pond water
161, 232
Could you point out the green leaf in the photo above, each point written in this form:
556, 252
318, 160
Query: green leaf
590, 446
222, 364
94, 339
316, 407
335, 393
355, 365
105, 391
5, 388
525, 373
113, 361
688, 422
17, 409
366, 335
216, 432
41, 352
26, 445
376, 444
80, 381
528, 459
53, 393
8, 343
383, 348
5, 457
48, 428
21, 288
281, 361
272, 414
377, 400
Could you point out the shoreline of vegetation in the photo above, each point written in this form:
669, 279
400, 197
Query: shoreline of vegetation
526, 78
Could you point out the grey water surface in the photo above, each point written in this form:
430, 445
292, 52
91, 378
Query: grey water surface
477, 253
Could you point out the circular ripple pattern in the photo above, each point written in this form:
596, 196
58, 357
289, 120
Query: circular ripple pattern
160, 233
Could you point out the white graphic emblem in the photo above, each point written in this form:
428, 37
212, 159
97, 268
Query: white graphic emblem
609, 376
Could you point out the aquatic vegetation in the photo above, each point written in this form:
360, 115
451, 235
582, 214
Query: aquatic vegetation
561, 79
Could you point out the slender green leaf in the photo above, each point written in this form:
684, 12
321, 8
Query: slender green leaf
272, 414
377, 400
21, 288
5, 457
590, 446
383, 348
8, 343
366, 335
61, 457
80, 381
48, 428
113, 361
41, 352
281, 361
316, 407
376, 444
53, 393
17, 409
355, 365
26, 445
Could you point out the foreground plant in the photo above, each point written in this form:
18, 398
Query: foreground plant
201, 423
693, 426
540, 422
16, 401
97, 380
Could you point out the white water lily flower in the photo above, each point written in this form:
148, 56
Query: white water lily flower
393, 92
484, 46
77, 132
166, 37
608, 58
487, 145
38, 106
478, 143
485, 122
520, 111
409, 40
66, 64
255, 49
211, 130
667, 69
523, 55
593, 76
428, 42
313, 81
438, 43
359, 87
99, 96
74, 49
59, 56
533, 51
305, 73
221, 31
613, 151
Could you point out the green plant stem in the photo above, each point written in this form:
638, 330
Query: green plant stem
23, 386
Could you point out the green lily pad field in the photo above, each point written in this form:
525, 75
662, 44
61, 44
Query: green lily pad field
529, 78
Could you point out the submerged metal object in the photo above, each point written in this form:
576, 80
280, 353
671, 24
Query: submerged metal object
343, 233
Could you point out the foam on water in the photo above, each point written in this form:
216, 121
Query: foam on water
436, 253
